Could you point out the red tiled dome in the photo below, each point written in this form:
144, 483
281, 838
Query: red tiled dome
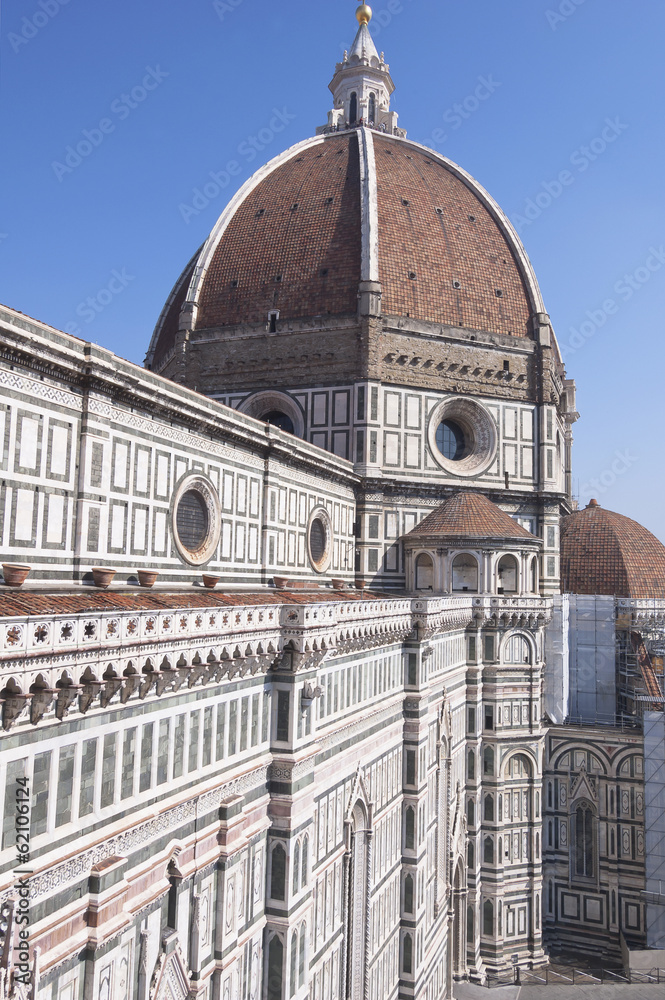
294, 239
606, 553
471, 515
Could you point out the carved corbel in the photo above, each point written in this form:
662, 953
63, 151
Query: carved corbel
12, 707
66, 696
42, 700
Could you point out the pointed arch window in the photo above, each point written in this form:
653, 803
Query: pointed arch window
489, 808
353, 108
275, 972
488, 851
294, 961
488, 918
296, 867
301, 957
488, 761
372, 109
305, 861
278, 873
470, 813
407, 958
410, 829
408, 894
583, 842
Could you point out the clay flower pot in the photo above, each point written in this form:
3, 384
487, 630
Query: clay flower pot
147, 577
14, 574
338, 584
102, 576
210, 581
361, 584
281, 582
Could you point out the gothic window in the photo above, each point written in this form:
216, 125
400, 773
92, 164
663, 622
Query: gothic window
470, 813
489, 808
278, 872
488, 918
517, 650
275, 963
488, 851
296, 867
410, 829
305, 861
408, 894
470, 855
500, 808
301, 957
407, 959
469, 926
294, 961
353, 109
470, 765
583, 841
372, 108
488, 761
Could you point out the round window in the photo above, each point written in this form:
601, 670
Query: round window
196, 520
319, 540
450, 441
281, 420
462, 436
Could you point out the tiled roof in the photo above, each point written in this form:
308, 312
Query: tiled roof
603, 552
471, 515
15, 603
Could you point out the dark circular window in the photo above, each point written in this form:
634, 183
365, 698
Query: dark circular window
192, 520
317, 540
450, 441
281, 420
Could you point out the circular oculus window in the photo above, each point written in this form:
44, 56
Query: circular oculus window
462, 437
319, 539
196, 520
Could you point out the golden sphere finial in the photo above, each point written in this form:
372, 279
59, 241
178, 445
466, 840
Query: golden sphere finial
364, 14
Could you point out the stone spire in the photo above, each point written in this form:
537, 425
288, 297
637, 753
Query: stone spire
362, 85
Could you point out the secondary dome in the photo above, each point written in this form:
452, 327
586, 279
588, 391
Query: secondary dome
606, 553
471, 515
357, 220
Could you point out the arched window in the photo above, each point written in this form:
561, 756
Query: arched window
407, 959
371, 113
408, 894
488, 761
294, 962
470, 765
276, 417
305, 861
301, 957
470, 855
465, 574
583, 841
296, 867
517, 650
489, 808
488, 918
410, 829
353, 108
535, 582
488, 851
278, 873
424, 572
470, 813
469, 927
275, 972
500, 808
507, 575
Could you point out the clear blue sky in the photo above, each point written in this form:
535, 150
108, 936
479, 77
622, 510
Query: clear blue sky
209, 75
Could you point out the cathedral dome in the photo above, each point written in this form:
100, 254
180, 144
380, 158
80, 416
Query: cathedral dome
606, 553
348, 211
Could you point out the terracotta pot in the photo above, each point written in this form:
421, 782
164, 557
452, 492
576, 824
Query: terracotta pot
147, 577
14, 574
102, 576
281, 582
338, 584
361, 584
210, 581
